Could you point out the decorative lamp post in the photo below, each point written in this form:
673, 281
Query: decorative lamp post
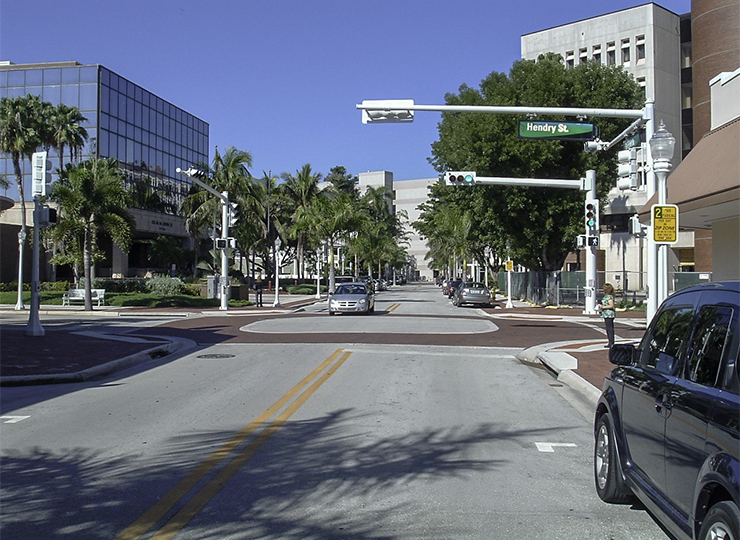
662, 147
318, 274
278, 243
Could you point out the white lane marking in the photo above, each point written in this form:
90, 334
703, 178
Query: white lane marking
550, 446
12, 419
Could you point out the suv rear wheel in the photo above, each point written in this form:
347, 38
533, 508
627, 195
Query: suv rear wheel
607, 474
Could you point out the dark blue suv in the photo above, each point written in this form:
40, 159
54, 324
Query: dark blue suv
666, 425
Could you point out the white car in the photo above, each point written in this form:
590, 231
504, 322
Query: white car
352, 298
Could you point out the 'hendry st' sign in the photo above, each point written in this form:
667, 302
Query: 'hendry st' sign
570, 131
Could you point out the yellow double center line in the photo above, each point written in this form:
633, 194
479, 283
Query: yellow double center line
139, 527
393, 307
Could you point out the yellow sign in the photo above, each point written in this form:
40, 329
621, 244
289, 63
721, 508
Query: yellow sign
665, 223
509, 266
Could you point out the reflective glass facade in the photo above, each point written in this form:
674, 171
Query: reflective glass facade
149, 136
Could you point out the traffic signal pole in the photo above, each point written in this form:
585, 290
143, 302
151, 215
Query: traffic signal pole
389, 111
195, 175
591, 253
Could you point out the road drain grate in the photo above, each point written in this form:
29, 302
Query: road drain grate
211, 356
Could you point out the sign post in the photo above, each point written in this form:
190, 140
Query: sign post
665, 223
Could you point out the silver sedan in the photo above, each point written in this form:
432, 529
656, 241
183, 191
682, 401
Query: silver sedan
352, 298
472, 292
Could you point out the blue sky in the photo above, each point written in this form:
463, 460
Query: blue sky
281, 78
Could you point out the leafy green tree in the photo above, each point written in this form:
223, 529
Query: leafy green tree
541, 224
342, 180
93, 200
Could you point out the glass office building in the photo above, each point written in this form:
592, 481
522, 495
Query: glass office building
149, 136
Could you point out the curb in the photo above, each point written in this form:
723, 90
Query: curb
96, 371
562, 364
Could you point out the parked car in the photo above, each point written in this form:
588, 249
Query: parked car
666, 425
367, 280
352, 298
472, 292
450, 287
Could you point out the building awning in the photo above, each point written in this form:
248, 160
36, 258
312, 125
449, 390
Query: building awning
706, 185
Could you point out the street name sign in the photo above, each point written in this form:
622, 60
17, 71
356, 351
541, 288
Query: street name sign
665, 223
546, 130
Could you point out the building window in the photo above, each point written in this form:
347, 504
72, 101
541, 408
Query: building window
583, 56
569, 60
596, 54
686, 55
687, 100
611, 54
625, 51
640, 49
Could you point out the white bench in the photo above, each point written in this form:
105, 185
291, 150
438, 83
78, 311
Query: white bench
74, 295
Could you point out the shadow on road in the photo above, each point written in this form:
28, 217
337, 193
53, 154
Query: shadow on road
300, 485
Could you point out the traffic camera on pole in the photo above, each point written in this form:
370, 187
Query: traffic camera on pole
627, 169
460, 178
591, 216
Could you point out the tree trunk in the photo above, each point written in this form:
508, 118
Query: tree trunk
88, 267
22, 234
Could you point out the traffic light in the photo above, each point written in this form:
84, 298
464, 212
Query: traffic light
233, 214
41, 173
47, 216
627, 169
591, 216
593, 241
635, 227
460, 178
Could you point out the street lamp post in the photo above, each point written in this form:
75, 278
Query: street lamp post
662, 147
318, 274
278, 243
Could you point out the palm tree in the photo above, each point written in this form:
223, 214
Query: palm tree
228, 173
93, 198
66, 131
23, 129
332, 216
300, 191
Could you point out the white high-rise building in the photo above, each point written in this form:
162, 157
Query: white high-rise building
646, 42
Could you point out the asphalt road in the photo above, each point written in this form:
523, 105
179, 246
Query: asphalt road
417, 422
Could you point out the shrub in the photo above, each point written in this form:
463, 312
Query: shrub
303, 289
192, 289
165, 286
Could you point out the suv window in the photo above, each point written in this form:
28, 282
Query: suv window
663, 344
709, 344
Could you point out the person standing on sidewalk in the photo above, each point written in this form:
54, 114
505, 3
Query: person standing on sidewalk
258, 291
608, 313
